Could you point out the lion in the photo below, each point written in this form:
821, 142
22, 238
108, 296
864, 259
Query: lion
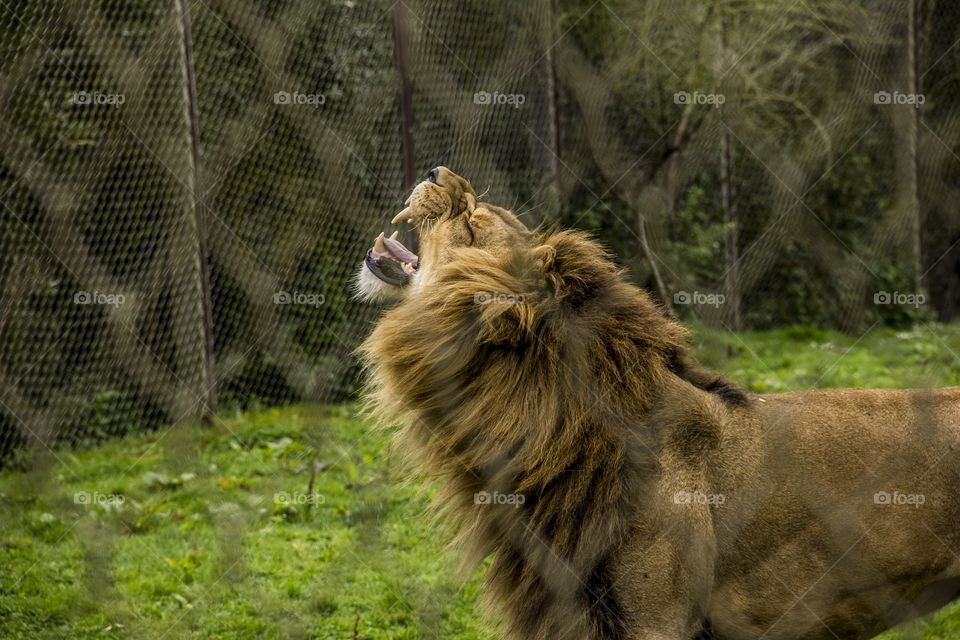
622, 490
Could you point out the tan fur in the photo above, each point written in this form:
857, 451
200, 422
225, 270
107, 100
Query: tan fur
524, 364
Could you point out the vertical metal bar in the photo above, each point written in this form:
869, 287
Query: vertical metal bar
916, 87
728, 191
208, 391
554, 31
401, 47
545, 117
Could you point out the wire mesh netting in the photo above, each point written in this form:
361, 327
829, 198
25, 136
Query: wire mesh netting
188, 187
117, 243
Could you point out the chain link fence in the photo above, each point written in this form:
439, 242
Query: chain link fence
187, 187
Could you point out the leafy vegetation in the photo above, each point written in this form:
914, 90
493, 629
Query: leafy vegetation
296, 522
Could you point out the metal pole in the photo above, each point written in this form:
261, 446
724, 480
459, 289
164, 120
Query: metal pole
916, 226
401, 45
208, 390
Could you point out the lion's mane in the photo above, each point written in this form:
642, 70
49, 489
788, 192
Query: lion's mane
531, 374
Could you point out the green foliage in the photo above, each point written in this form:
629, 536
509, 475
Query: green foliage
819, 211
699, 233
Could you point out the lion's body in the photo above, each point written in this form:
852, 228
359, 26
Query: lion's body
807, 477
645, 496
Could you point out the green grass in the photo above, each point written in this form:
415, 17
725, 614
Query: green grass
806, 358
205, 544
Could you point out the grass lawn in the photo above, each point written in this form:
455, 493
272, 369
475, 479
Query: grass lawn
215, 533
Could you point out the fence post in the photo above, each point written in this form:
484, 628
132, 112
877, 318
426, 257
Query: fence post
728, 191
208, 377
544, 138
916, 87
401, 46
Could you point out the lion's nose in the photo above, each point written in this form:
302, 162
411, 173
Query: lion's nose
434, 173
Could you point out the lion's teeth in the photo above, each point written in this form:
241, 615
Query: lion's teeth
404, 216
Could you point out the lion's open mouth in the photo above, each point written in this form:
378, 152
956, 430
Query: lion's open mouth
390, 261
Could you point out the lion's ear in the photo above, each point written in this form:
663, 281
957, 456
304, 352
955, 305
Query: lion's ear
466, 187
545, 255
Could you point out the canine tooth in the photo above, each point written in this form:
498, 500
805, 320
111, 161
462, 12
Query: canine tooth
393, 236
378, 245
406, 214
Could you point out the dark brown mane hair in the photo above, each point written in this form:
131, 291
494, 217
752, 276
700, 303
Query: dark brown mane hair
530, 375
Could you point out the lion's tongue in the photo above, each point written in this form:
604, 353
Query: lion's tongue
390, 247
